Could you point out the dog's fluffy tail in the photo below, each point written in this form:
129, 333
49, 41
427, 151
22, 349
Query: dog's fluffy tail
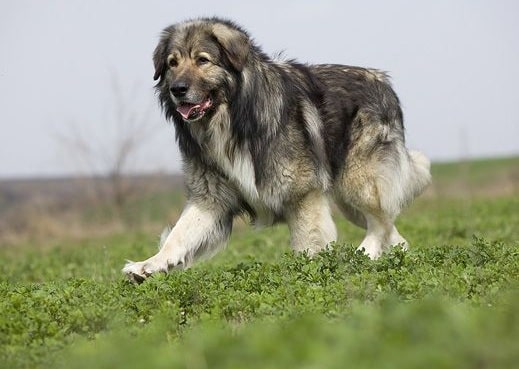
401, 178
421, 171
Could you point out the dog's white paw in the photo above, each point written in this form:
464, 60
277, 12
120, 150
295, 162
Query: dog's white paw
371, 247
403, 245
395, 239
161, 263
138, 271
372, 252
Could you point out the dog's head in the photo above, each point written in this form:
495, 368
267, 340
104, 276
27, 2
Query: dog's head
196, 64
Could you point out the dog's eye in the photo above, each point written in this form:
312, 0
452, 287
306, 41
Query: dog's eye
172, 63
201, 60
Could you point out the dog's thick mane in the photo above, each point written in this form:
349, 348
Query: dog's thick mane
266, 94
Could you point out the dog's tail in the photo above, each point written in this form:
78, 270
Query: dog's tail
401, 178
421, 171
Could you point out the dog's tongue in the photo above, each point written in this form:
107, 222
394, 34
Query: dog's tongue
186, 109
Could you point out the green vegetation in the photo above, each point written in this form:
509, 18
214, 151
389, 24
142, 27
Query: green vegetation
451, 301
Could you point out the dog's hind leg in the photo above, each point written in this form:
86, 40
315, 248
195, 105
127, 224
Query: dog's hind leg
367, 213
351, 213
374, 189
310, 223
381, 233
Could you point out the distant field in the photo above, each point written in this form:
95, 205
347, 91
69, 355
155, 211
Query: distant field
451, 301
478, 177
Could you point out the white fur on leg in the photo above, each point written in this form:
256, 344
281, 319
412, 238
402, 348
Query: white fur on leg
376, 236
371, 246
196, 229
311, 225
327, 230
395, 238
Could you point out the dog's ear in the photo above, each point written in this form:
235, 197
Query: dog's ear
235, 43
161, 53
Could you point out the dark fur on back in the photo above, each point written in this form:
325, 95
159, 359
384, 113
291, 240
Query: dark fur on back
348, 93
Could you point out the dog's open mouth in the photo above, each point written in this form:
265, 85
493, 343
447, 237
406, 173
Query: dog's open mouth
191, 111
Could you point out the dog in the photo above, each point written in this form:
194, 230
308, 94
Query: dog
278, 140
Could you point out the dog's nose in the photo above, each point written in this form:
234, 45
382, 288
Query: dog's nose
179, 89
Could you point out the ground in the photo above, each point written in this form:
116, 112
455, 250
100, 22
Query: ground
451, 301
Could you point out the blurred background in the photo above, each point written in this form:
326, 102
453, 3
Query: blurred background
83, 140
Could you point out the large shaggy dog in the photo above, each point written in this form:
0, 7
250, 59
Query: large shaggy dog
278, 140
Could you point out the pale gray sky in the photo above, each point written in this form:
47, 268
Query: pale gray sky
453, 63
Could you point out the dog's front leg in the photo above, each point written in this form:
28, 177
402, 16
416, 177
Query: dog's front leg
198, 231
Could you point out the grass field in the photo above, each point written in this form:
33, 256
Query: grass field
451, 301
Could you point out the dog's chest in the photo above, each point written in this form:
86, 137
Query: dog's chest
236, 163
240, 171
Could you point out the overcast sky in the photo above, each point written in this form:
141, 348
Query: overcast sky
68, 67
